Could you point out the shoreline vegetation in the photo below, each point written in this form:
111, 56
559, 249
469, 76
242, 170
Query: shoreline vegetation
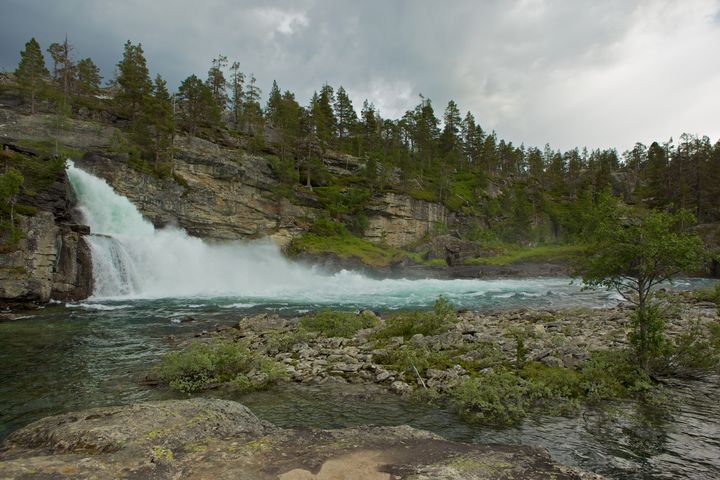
491, 368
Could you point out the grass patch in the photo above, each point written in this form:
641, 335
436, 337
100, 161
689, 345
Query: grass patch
50, 148
328, 236
338, 324
544, 253
202, 366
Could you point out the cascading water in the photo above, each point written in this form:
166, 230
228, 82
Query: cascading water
132, 259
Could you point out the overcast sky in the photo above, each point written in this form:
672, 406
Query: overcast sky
571, 73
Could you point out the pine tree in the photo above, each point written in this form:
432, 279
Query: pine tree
133, 81
345, 113
88, 77
322, 115
31, 71
217, 83
162, 121
252, 108
237, 82
56, 50
197, 106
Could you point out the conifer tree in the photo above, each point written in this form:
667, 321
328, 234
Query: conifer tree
237, 82
197, 105
133, 81
322, 115
345, 113
162, 121
216, 81
31, 71
274, 105
88, 77
252, 108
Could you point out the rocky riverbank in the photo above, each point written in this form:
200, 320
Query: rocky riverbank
204, 438
465, 342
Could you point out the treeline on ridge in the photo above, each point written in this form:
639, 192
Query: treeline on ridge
510, 193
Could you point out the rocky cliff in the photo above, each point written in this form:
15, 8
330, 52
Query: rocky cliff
51, 260
218, 191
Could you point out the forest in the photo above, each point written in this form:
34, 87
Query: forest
507, 193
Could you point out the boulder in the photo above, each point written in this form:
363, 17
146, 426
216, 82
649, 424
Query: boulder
214, 439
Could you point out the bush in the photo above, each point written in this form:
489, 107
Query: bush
407, 324
338, 324
409, 357
497, 398
202, 366
613, 374
693, 353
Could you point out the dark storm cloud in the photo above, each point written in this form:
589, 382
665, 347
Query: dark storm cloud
565, 72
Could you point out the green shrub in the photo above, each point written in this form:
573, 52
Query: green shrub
693, 353
613, 374
497, 398
407, 324
552, 382
408, 357
204, 365
338, 324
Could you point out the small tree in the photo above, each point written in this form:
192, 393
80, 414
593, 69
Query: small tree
634, 254
10, 183
31, 71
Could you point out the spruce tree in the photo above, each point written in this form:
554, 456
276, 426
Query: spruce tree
274, 105
31, 71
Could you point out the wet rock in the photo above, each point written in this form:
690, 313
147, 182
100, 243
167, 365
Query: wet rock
204, 438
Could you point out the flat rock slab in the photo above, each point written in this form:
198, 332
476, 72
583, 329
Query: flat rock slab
219, 439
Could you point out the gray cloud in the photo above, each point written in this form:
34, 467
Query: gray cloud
565, 72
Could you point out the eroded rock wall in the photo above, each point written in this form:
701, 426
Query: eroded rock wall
399, 220
52, 261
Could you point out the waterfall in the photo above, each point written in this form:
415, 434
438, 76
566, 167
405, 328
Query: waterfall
132, 259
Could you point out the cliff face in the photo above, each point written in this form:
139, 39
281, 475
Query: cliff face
52, 259
219, 192
399, 220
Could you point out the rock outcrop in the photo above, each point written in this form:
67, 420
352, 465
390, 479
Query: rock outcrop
400, 220
51, 260
214, 439
217, 190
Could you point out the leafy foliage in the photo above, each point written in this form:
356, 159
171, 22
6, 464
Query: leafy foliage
202, 366
635, 254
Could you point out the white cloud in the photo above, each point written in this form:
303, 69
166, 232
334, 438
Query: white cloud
282, 21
